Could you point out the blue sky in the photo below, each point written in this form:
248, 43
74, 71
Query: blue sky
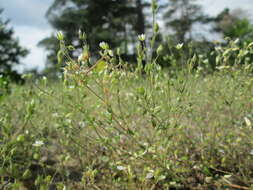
30, 25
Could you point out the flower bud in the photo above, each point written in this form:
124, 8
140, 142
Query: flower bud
142, 37
159, 50
179, 46
60, 36
104, 45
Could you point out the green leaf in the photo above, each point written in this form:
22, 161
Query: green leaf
101, 65
59, 57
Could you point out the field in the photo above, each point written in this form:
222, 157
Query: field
129, 130
165, 110
117, 126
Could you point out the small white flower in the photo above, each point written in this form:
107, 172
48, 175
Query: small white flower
251, 152
219, 48
227, 176
146, 144
82, 124
179, 46
247, 121
208, 179
38, 143
71, 87
104, 45
142, 37
55, 114
221, 151
223, 67
121, 168
110, 52
80, 58
149, 175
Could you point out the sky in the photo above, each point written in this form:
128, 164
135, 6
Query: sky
27, 17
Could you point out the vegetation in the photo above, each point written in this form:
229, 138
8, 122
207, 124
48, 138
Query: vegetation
108, 123
234, 25
181, 16
116, 22
112, 126
10, 52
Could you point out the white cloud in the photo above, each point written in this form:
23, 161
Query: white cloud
29, 37
30, 26
26, 12
214, 7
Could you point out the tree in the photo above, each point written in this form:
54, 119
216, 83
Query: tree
52, 45
234, 25
180, 17
10, 51
140, 24
102, 20
115, 22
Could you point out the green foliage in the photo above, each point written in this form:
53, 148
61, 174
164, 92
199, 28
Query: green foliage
4, 86
10, 51
115, 22
52, 45
234, 25
184, 20
242, 29
110, 126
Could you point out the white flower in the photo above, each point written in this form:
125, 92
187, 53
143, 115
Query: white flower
44, 78
142, 37
149, 175
104, 45
251, 152
55, 114
71, 87
121, 167
80, 58
38, 143
179, 46
82, 124
223, 67
247, 121
221, 151
110, 52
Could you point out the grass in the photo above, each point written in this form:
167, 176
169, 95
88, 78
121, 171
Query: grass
112, 126
157, 131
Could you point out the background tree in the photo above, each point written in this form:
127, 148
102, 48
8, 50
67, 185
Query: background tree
115, 22
140, 26
10, 51
234, 24
180, 17
52, 46
102, 20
